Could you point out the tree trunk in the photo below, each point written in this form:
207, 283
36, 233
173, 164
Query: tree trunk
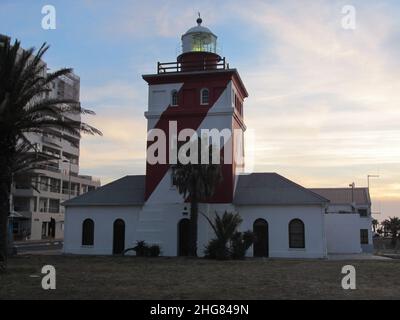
5, 185
194, 208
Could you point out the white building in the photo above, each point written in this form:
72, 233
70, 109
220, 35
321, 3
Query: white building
199, 91
36, 212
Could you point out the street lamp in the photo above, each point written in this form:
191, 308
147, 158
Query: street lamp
352, 186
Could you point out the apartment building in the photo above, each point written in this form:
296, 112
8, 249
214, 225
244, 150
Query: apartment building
36, 211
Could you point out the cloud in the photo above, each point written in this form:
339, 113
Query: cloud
119, 115
114, 91
323, 100
321, 96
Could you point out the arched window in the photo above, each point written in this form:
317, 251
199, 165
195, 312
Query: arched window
204, 96
296, 234
88, 232
174, 98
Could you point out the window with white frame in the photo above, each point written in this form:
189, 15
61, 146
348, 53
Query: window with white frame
204, 97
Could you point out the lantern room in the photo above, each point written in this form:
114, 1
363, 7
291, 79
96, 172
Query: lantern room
199, 39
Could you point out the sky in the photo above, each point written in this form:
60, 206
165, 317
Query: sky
323, 99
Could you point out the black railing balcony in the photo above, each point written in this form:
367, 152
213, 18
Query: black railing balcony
187, 66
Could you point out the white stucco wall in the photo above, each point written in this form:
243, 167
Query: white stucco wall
155, 224
343, 232
103, 218
278, 218
158, 224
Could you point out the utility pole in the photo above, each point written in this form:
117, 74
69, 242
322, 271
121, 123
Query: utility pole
352, 186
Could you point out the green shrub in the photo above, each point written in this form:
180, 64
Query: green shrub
217, 249
154, 250
240, 243
229, 243
143, 250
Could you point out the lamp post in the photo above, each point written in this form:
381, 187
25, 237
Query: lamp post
352, 186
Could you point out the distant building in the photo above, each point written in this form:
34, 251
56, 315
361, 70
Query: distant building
348, 219
36, 212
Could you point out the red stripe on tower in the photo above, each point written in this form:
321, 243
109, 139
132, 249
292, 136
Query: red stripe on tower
197, 68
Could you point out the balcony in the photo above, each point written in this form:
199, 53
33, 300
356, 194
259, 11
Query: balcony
192, 65
49, 168
73, 193
52, 141
50, 210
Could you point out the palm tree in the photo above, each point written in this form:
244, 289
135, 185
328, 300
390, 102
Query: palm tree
225, 229
375, 224
24, 109
393, 226
198, 182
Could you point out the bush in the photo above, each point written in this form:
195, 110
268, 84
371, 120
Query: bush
143, 250
240, 243
229, 243
154, 250
217, 249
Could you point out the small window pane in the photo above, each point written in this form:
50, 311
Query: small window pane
296, 234
364, 236
363, 212
88, 232
174, 98
205, 96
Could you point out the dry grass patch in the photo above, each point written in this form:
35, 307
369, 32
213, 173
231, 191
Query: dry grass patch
174, 278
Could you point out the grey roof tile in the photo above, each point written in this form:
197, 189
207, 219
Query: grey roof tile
128, 190
345, 195
273, 189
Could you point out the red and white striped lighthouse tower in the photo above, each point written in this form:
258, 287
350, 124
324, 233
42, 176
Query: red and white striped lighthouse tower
198, 91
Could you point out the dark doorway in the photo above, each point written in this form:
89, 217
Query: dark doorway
260, 229
183, 237
52, 228
119, 237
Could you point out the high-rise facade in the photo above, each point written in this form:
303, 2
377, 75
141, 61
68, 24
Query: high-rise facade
36, 211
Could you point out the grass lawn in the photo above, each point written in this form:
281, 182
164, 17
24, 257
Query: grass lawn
173, 278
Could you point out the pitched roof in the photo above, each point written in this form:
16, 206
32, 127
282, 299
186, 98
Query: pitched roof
344, 195
252, 189
273, 189
128, 190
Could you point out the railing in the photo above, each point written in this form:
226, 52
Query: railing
202, 65
72, 192
51, 140
49, 168
50, 210
55, 189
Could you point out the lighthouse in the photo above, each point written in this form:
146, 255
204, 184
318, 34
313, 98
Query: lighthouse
199, 91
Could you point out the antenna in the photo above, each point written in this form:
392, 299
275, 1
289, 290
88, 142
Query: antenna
371, 176
374, 176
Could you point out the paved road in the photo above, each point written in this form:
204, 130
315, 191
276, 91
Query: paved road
36, 247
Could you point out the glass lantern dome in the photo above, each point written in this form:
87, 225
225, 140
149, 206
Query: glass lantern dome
199, 39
